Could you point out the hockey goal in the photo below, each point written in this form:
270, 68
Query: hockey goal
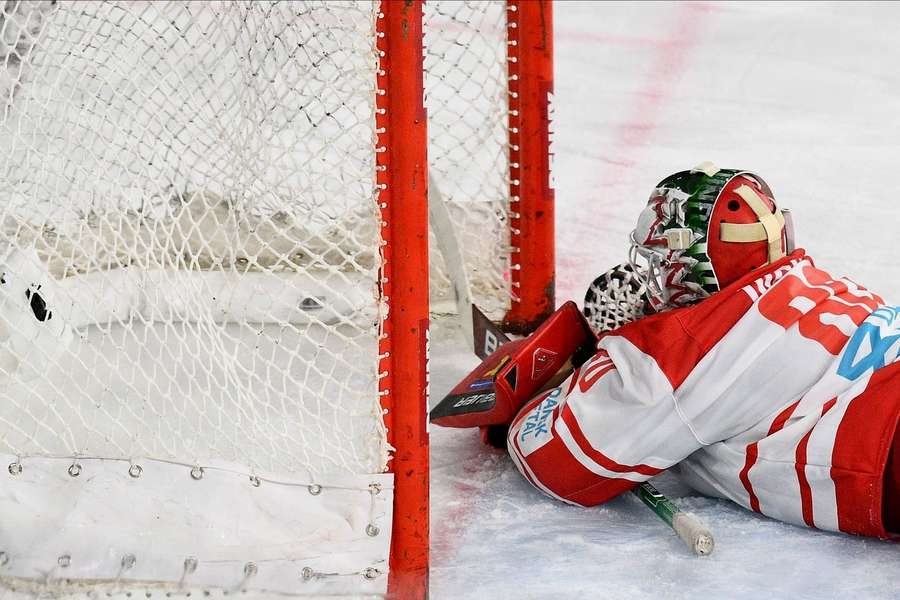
214, 278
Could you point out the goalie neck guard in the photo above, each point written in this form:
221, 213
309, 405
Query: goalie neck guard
702, 230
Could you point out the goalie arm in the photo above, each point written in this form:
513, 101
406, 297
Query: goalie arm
465, 408
589, 439
610, 427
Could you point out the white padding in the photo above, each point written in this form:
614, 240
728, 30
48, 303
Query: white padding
708, 168
107, 525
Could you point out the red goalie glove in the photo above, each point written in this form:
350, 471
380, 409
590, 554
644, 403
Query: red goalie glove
513, 374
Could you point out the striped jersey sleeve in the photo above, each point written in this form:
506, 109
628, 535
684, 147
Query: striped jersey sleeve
776, 384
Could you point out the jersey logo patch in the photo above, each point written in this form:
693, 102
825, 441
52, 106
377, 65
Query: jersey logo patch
536, 425
875, 344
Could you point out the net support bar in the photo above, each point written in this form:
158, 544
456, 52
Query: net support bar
403, 181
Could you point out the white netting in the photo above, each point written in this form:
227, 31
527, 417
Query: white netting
191, 185
468, 149
189, 263
190, 227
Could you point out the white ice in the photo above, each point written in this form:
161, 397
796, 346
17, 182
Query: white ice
807, 95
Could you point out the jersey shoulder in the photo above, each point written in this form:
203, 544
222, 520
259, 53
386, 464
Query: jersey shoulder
678, 339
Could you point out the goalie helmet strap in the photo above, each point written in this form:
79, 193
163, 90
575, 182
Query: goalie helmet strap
770, 228
703, 229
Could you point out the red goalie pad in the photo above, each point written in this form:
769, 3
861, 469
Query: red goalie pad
513, 374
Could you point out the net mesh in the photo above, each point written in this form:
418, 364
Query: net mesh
468, 150
190, 223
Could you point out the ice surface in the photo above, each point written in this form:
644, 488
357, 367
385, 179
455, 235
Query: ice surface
807, 95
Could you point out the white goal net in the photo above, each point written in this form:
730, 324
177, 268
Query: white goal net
190, 252
468, 143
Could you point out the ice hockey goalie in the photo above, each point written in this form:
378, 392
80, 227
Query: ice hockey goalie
760, 377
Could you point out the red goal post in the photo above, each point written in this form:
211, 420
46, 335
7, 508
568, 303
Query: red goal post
530, 60
402, 179
402, 147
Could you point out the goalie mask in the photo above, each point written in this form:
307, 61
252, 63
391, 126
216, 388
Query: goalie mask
704, 229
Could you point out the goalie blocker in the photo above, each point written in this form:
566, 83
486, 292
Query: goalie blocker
517, 371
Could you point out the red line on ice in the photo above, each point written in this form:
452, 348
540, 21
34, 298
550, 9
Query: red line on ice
669, 62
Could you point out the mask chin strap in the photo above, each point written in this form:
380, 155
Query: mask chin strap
769, 229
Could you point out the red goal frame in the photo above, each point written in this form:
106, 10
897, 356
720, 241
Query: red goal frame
402, 178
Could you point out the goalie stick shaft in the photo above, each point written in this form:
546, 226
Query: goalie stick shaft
692, 532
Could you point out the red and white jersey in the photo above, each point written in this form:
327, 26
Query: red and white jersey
780, 392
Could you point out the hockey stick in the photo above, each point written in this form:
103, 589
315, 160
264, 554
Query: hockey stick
691, 531
448, 244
